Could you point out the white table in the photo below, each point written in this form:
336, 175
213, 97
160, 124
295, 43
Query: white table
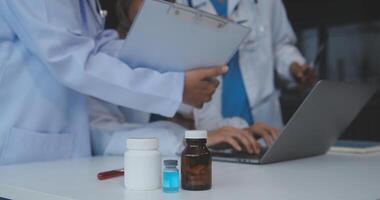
330, 176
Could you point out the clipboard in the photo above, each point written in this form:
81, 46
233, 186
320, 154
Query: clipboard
172, 37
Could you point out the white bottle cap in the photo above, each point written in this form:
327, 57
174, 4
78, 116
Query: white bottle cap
142, 143
196, 134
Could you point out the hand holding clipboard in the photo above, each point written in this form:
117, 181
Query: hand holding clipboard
172, 37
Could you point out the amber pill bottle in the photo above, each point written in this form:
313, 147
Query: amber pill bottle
196, 165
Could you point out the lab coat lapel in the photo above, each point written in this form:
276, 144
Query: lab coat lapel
232, 5
207, 6
204, 5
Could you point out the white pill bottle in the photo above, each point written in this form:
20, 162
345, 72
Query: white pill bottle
142, 164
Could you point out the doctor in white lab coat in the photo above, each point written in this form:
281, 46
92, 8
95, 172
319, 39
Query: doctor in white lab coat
269, 48
112, 125
56, 53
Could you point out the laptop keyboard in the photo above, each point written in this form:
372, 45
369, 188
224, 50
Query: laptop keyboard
230, 153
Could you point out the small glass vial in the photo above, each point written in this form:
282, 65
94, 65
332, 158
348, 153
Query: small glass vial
142, 164
170, 178
196, 162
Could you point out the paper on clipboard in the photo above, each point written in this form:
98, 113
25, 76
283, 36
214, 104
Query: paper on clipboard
172, 37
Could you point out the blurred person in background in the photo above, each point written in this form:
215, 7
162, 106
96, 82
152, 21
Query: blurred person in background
247, 98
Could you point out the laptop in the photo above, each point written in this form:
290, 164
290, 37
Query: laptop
324, 115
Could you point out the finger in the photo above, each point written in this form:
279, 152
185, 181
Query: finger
275, 133
267, 139
244, 140
272, 132
217, 83
214, 72
207, 85
300, 74
206, 96
308, 72
199, 105
212, 80
210, 88
306, 66
255, 145
233, 143
302, 71
207, 99
312, 76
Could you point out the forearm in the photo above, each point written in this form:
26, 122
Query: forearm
285, 56
84, 64
171, 140
284, 41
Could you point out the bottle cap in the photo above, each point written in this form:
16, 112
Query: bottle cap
196, 134
170, 163
142, 143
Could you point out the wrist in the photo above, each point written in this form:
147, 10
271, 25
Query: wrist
210, 139
293, 68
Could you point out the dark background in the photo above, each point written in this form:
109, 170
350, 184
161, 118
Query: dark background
322, 17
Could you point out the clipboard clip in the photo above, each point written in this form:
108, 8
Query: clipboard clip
196, 15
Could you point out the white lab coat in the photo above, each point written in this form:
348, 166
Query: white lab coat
112, 125
269, 47
53, 54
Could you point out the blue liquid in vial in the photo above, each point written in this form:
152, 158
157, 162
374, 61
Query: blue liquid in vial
170, 182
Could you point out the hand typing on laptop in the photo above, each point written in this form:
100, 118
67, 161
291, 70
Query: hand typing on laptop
267, 133
243, 140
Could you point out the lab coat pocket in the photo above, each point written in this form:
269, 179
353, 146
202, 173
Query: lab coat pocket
250, 43
29, 146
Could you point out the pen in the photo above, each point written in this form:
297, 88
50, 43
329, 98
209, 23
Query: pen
318, 55
110, 174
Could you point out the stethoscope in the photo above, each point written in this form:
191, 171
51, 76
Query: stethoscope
98, 12
103, 13
259, 32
